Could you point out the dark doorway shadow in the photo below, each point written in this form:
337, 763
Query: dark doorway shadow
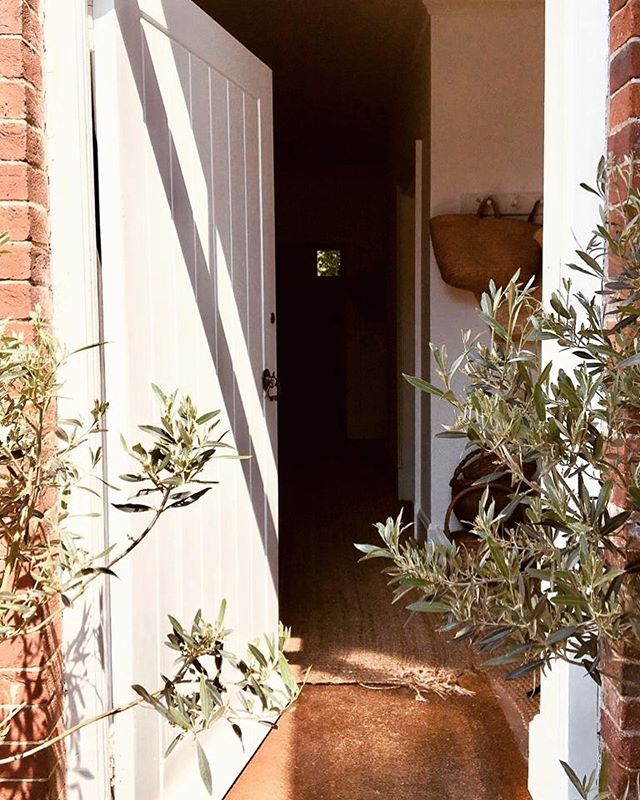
311, 349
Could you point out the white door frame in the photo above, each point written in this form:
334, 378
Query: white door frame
411, 345
576, 91
74, 271
576, 62
420, 518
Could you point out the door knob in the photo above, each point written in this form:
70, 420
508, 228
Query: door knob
271, 385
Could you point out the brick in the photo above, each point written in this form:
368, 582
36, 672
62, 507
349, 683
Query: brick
625, 105
32, 27
620, 494
25, 687
19, 60
624, 674
19, 100
32, 650
620, 714
624, 746
19, 19
24, 222
38, 186
616, 5
32, 685
625, 141
13, 100
19, 298
15, 301
25, 261
625, 66
13, 141
614, 265
624, 710
35, 723
41, 719
20, 141
12, 58
31, 665
24, 790
14, 181
625, 25
15, 262
11, 17
31, 65
21, 181
627, 649
21, 328
38, 765
47, 766
621, 779
34, 153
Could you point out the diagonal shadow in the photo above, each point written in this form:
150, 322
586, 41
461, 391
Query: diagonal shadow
203, 281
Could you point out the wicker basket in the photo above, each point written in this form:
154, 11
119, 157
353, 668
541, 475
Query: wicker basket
472, 249
466, 493
503, 312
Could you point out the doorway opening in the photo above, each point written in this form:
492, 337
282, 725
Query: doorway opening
354, 90
344, 132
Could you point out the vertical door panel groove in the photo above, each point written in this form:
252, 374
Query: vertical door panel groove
184, 149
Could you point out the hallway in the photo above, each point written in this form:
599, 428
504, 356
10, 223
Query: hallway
390, 710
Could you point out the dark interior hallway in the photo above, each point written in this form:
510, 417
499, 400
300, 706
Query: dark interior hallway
330, 498
391, 709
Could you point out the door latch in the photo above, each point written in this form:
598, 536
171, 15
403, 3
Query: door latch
271, 385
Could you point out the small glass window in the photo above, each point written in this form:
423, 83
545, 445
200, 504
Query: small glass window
328, 263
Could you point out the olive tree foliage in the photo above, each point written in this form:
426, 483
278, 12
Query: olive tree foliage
45, 565
558, 581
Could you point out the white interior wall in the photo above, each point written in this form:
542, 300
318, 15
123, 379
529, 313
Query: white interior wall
487, 63
405, 320
411, 303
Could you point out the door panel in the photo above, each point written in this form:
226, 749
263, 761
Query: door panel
183, 121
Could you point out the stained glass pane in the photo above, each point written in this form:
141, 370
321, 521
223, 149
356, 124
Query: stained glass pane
328, 263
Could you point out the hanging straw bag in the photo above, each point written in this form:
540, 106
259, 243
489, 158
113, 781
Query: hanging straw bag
471, 249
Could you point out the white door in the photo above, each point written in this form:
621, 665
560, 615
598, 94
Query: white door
184, 138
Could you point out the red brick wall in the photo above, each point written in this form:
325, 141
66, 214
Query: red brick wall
30, 668
621, 685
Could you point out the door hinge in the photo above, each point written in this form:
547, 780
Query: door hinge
90, 26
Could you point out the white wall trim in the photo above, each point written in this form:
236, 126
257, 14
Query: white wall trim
421, 526
418, 333
434, 532
576, 66
76, 322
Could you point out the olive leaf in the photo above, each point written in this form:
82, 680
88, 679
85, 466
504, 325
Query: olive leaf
537, 583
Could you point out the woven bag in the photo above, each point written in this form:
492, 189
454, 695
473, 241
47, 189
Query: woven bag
466, 493
471, 249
